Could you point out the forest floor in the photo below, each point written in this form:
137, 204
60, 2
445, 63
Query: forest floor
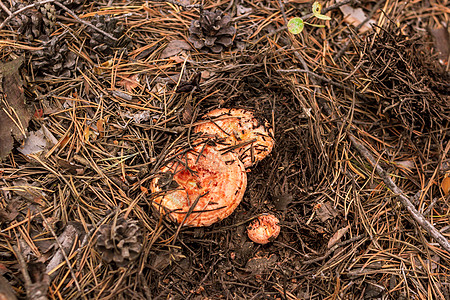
97, 94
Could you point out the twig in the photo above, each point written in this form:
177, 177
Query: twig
280, 3
339, 85
327, 9
61, 248
324, 11
430, 207
357, 28
83, 22
23, 267
332, 249
35, 291
403, 199
5, 8
184, 6
6, 290
12, 15
87, 236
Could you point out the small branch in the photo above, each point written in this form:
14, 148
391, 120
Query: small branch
23, 267
12, 15
332, 249
184, 6
35, 291
334, 6
327, 9
3, 6
424, 223
337, 84
83, 22
6, 290
280, 3
375, 8
87, 236
63, 251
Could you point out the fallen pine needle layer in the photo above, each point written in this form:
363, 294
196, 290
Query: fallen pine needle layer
357, 175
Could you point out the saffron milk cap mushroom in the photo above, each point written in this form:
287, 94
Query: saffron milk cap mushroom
264, 229
200, 186
239, 131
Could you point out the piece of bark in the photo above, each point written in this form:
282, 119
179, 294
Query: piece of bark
14, 114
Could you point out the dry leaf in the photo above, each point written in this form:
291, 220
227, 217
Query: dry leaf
38, 142
207, 75
355, 16
373, 290
242, 10
143, 189
99, 70
442, 43
139, 117
129, 83
101, 127
6, 290
14, 115
337, 236
89, 134
445, 185
122, 95
70, 167
63, 142
406, 164
34, 144
326, 211
72, 233
31, 192
178, 59
174, 47
159, 89
259, 265
10, 212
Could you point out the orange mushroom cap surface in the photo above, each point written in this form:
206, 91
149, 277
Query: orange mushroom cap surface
264, 229
215, 183
239, 131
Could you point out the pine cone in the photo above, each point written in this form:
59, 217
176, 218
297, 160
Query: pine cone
55, 58
102, 43
29, 23
48, 12
120, 243
72, 3
213, 31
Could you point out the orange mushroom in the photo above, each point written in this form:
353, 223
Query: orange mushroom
264, 229
239, 131
200, 186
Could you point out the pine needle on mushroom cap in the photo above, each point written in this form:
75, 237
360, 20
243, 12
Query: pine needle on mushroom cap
264, 229
201, 186
239, 131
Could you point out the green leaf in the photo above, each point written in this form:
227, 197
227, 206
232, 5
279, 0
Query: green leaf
295, 25
317, 9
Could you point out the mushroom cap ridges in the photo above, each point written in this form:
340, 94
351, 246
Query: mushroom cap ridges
238, 130
216, 181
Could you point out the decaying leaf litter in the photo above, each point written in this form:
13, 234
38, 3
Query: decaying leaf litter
335, 97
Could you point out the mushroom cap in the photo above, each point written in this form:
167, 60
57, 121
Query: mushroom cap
216, 181
239, 131
264, 229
